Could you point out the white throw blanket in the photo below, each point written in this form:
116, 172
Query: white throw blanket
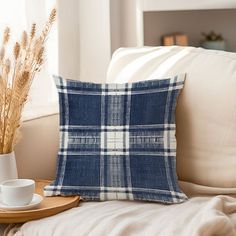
200, 216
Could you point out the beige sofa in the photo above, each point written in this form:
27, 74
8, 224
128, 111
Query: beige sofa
206, 151
37, 150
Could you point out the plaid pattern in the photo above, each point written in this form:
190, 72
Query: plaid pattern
117, 141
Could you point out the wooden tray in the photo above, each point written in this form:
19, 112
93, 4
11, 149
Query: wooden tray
48, 207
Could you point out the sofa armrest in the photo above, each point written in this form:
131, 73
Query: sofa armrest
37, 150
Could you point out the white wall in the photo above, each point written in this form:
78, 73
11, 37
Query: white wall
90, 31
128, 23
115, 17
68, 30
84, 39
95, 39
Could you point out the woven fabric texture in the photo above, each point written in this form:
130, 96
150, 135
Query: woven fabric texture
117, 141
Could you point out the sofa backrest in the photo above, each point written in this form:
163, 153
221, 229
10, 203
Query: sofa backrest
206, 110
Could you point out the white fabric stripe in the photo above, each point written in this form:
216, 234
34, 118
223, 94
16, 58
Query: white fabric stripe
127, 120
118, 126
103, 140
116, 189
64, 135
116, 114
127, 153
122, 92
167, 137
120, 153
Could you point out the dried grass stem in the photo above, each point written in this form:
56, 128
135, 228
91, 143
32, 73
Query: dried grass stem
16, 76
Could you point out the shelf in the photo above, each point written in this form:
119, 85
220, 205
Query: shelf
190, 22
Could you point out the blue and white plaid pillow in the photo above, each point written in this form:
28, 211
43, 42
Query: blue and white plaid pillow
117, 141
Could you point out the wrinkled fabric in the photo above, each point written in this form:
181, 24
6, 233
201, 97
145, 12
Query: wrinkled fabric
200, 216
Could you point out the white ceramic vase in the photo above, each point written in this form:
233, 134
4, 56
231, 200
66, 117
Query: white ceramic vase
8, 169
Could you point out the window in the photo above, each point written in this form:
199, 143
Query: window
19, 15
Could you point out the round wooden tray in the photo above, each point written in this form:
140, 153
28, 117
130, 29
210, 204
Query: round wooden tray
48, 207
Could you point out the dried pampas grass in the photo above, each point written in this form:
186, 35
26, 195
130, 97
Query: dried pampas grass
16, 76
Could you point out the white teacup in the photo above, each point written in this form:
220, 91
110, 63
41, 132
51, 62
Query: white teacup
17, 192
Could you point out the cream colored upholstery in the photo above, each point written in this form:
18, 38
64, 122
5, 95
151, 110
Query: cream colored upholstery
206, 114
206, 111
37, 150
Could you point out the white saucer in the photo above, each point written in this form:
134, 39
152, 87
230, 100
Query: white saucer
37, 199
